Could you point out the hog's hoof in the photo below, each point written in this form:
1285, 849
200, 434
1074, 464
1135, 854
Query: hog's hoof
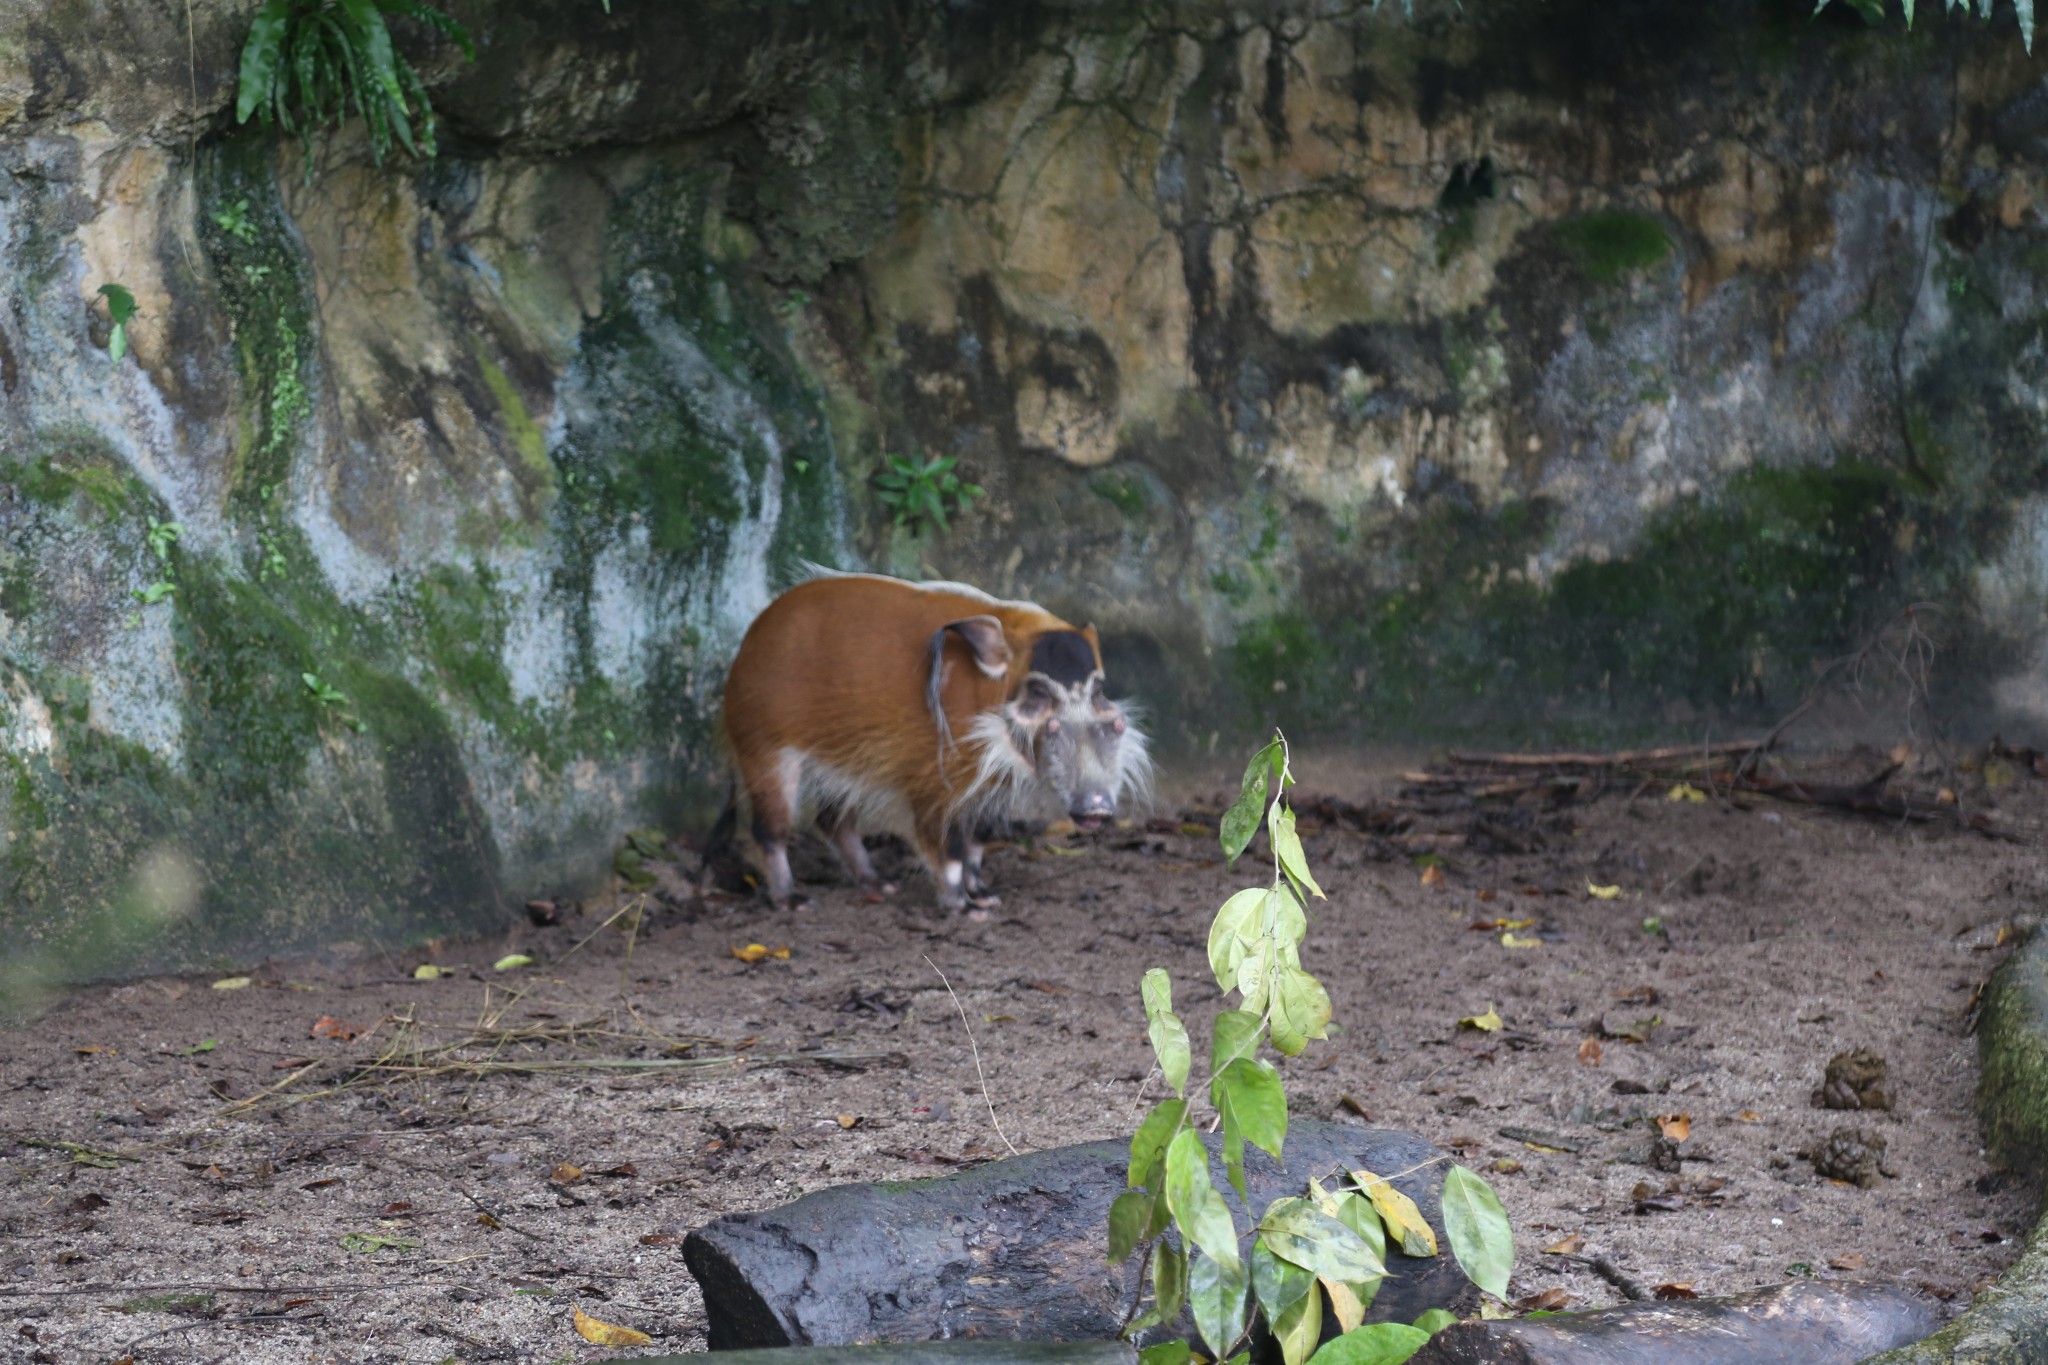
874, 893
795, 900
986, 900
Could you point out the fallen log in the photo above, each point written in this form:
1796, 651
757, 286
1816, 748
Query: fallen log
922, 1353
1802, 1323
1014, 1249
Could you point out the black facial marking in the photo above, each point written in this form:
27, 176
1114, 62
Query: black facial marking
1064, 656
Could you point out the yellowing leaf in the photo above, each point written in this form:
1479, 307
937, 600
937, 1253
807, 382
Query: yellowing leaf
1589, 1052
1518, 941
753, 952
1686, 791
1603, 893
427, 971
1676, 1127
231, 983
1565, 1247
1433, 875
604, 1334
1345, 1303
1488, 1022
1399, 1213
511, 960
566, 1173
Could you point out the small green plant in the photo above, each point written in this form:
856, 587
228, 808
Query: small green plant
331, 698
920, 492
120, 308
233, 219
272, 563
308, 64
162, 536
1326, 1247
156, 592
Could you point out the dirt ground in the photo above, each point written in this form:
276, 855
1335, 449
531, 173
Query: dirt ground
228, 1201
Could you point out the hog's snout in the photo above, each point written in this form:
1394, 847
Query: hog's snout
1092, 810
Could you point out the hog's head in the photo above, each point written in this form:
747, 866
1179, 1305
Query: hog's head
1078, 746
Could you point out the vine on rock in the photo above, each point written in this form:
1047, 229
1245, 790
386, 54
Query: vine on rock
1323, 1251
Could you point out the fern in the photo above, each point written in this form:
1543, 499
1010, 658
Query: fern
309, 64
1873, 11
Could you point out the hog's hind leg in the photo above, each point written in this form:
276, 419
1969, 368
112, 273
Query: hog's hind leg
841, 824
773, 787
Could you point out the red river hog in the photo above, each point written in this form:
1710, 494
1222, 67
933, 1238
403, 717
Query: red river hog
928, 709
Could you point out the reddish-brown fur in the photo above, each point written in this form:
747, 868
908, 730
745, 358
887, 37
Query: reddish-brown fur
836, 669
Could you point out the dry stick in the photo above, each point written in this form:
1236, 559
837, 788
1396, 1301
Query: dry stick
487, 1211
242, 1321
1620, 759
985, 1099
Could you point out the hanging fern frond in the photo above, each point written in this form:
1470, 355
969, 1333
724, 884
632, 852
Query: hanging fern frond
1874, 12
310, 64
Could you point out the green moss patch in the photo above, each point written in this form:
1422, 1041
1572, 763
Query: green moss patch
1611, 243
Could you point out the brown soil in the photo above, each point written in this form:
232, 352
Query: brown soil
1788, 935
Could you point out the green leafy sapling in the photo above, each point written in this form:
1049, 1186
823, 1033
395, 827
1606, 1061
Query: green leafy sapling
120, 309
1317, 1253
920, 493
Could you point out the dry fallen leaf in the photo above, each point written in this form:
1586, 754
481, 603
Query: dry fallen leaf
1565, 1247
1488, 894
565, 1173
1602, 893
327, 1026
760, 952
1549, 1301
1345, 1304
1852, 1261
1433, 875
1506, 1165
847, 1120
427, 971
1749, 1116
1676, 1127
1678, 1290
1589, 1052
93, 1050
604, 1334
1488, 1022
1512, 940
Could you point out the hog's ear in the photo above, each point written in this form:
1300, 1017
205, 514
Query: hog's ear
1034, 703
984, 635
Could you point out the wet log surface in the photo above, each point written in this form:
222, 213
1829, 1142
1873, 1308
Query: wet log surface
1787, 1324
1013, 1249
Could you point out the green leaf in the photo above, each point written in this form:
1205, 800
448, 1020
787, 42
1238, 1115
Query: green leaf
259, 59
1287, 847
120, 303
1300, 1010
1253, 1091
1301, 1233
1376, 1343
1235, 927
511, 961
1435, 1320
1277, 1284
1129, 1215
1479, 1232
1148, 1144
1166, 1353
1169, 1035
1299, 1328
1241, 821
1221, 1298
1169, 1287
1203, 1216
1356, 1212
1235, 1034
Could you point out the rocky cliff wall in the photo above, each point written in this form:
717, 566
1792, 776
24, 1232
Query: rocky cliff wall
1542, 370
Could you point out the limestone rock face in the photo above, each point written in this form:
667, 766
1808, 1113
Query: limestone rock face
1593, 366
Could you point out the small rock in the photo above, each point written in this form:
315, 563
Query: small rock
1855, 1080
1852, 1154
